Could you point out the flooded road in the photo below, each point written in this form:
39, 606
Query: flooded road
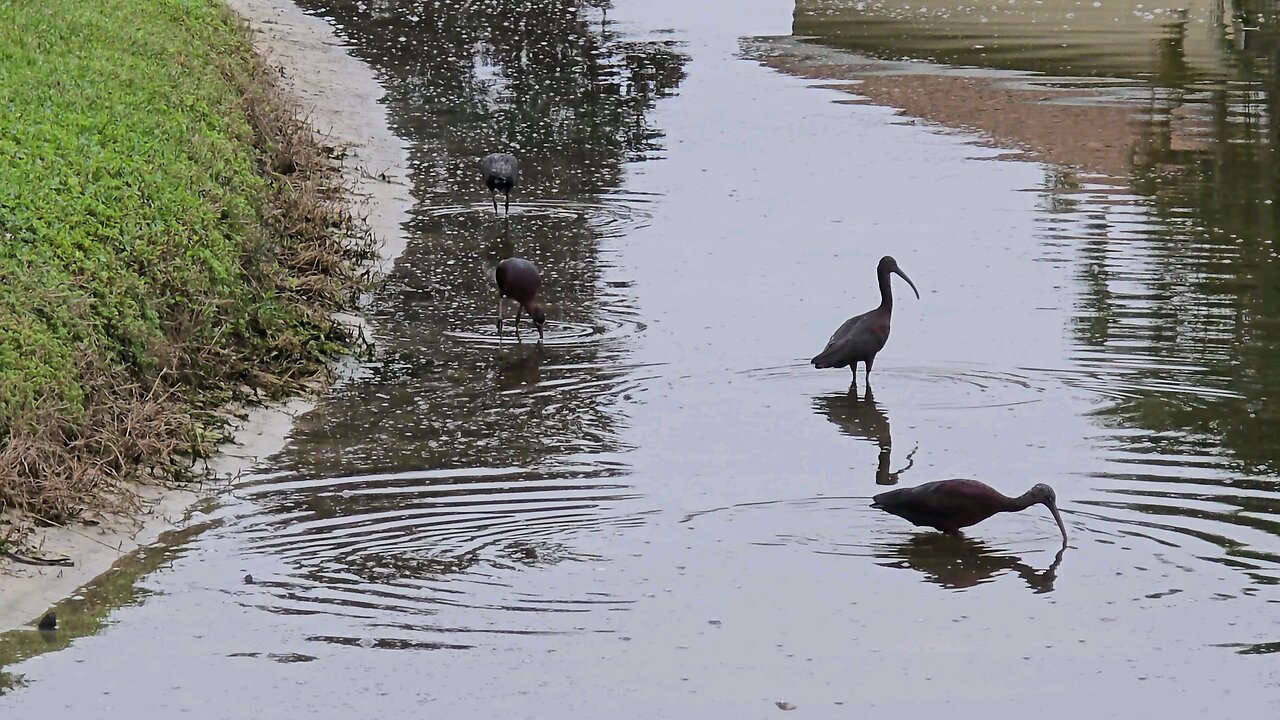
663, 511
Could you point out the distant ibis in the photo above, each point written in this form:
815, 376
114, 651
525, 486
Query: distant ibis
861, 337
520, 280
501, 171
949, 505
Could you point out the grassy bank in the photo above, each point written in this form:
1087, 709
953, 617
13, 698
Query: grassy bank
171, 237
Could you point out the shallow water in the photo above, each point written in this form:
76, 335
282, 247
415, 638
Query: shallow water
662, 511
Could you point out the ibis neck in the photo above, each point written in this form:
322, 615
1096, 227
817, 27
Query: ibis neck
886, 292
1022, 502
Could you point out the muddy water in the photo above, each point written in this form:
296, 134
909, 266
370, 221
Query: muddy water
662, 511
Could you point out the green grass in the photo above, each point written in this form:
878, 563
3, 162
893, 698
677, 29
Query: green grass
143, 254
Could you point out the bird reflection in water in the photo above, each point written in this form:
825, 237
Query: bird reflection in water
519, 366
498, 243
864, 418
957, 562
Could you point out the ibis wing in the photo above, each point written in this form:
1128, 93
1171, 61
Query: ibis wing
944, 504
501, 171
971, 490
854, 340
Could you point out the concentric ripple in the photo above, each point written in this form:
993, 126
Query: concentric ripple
618, 323
959, 386
613, 214
407, 549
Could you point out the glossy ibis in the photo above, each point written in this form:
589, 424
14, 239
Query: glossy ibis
501, 172
48, 622
949, 505
861, 337
520, 280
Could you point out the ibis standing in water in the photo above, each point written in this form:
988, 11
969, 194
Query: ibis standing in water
501, 172
949, 505
520, 280
861, 337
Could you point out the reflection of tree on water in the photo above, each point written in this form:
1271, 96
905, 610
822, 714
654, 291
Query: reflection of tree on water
864, 418
408, 535
1207, 161
957, 562
537, 76
551, 81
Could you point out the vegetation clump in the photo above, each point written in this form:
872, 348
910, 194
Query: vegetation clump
172, 238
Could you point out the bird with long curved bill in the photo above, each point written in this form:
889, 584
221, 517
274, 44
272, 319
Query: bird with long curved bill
501, 172
949, 505
861, 337
520, 280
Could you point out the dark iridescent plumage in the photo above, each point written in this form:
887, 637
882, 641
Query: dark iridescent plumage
949, 505
520, 280
501, 172
861, 337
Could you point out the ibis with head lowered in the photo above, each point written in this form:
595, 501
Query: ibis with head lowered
949, 505
501, 172
520, 280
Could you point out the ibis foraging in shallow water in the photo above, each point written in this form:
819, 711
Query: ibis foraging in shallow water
520, 280
501, 171
861, 337
949, 505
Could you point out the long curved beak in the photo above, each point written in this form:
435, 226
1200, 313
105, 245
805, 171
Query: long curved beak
904, 277
1053, 508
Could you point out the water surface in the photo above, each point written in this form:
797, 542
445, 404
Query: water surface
662, 511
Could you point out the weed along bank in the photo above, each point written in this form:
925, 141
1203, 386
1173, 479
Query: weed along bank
175, 240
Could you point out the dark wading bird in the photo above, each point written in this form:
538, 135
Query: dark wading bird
501, 172
520, 280
949, 505
861, 337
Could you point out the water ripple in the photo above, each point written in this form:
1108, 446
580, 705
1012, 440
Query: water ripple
614, 214
403, 548
848, 527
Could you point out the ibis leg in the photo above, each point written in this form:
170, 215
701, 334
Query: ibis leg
493, 195
518, 311
507, 206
